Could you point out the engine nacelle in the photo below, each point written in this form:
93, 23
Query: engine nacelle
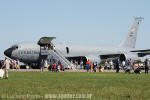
124, 57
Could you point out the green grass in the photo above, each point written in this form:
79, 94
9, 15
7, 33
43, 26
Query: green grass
102, 86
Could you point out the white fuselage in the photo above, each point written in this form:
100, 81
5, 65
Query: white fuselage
30, 52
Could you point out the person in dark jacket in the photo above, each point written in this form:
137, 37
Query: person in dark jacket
146, 66
117, 66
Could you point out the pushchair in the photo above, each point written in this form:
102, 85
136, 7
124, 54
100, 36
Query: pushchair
2, 73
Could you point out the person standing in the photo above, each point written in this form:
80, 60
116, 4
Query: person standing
7, 66
146, 66
99, 67
18, 64
15, 64
106, 65
91, 66
62, 67
54, 67
123, 64
42, 65
45, 63
131, 63
76, 64
58, 68
88, 63
111, 64
95, 66
117, 66
81, 64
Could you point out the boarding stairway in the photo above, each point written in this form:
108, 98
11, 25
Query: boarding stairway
44, 53
58, 57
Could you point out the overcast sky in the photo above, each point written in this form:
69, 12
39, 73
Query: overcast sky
92, 22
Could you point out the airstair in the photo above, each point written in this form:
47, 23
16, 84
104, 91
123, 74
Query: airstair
60, 58
47, 51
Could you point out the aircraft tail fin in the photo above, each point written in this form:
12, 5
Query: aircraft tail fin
130, 40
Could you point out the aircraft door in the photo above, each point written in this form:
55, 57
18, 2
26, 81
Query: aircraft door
67, 50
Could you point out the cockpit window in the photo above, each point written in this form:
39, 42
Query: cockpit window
14, 47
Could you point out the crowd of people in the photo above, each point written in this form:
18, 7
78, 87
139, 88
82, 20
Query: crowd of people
56, 66
130, 66
127, 66
14, 64
94, 66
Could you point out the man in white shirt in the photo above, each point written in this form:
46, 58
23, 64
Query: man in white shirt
7, 66
123, 64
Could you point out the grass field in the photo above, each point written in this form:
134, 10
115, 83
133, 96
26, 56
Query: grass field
102, 86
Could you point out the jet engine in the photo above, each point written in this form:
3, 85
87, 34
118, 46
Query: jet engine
124, 57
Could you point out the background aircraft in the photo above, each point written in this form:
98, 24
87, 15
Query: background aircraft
31, 53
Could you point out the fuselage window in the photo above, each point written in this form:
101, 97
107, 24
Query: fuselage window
21, 52
24, 52
67, 50
18, 52
32, 52
35, 52
28, 52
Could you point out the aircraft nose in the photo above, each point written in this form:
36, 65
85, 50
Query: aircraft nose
8, 52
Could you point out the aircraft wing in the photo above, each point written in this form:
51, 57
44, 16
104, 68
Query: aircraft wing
146, 50
142, 53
